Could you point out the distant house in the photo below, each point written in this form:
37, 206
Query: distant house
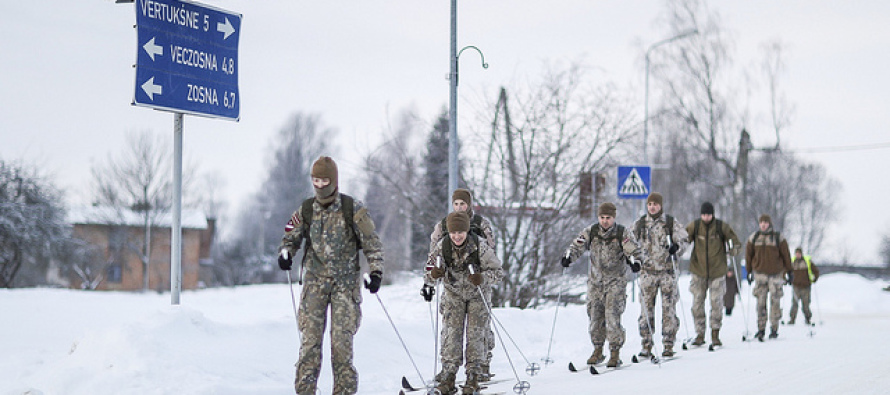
118, 236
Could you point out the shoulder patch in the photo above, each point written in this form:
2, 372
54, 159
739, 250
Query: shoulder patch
363, 220
293, 223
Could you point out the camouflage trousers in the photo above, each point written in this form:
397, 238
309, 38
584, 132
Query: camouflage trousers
465, 316
606, 302
650, 284
768, 285
715, 288
344, 298
801, 294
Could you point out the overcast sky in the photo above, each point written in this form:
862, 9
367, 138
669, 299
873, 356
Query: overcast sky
67, 80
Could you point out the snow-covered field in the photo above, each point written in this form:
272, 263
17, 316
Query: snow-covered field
244, 341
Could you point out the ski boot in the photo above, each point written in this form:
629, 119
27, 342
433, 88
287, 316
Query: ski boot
773, 333
699, 340
668, 351
759, 335
446, 383
715, 337
614, 360
597, 356
471, 387
647, 352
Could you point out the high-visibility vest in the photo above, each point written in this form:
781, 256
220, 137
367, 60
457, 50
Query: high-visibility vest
806, 258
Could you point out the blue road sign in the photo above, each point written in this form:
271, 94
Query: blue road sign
187, 58
634, 182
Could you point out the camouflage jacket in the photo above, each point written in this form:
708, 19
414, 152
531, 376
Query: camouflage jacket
708, 258
438, 235
654, 239
607, 253
457, 274
333, 251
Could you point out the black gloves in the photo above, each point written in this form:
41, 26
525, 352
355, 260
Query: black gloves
634, 266
374, 284
565, 261
750, 278
285, 263
476, 279
789, 277
427, 292
673, 248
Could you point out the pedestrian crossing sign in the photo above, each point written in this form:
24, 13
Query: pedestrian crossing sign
634, 182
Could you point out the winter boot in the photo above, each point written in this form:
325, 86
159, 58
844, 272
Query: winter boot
446, 383
472, 385
728, 311
647, 352
715, 337
809, 323
759, 335
668, 351
597, 356
791, 321
699, 340
614, 360
486, 373
773, 333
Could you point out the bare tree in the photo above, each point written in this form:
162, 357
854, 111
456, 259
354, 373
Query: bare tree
524, 170
139, 178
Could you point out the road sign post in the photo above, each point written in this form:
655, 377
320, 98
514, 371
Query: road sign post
186, 63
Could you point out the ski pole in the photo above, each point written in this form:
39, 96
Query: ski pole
649, 325
679, 296
436, 330
818, 309
547, 360
367, 280
521, 387
293, 300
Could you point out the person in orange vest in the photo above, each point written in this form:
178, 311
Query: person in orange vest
805, 274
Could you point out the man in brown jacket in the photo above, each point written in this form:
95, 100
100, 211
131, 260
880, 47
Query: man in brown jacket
805, 274
767, 259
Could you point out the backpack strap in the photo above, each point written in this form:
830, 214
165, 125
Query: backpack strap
448, 248
347, 206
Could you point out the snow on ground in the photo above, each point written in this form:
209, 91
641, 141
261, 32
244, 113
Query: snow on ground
244, 341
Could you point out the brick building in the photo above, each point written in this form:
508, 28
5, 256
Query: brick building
119, 235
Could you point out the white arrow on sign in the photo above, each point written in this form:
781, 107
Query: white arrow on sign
151, 89
225, 28
153, 49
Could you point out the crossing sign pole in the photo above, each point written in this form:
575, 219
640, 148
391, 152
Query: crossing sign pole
634, 182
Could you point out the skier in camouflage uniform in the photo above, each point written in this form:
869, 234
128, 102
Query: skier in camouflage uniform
609, 245
332, 278
766, 259
462, 201
659, 273
463, 309
709, 271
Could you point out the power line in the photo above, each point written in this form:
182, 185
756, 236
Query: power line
861, 147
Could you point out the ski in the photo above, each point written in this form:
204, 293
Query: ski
573, 369
593, 370
407, 387
714, 347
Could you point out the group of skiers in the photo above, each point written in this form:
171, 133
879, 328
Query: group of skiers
462, 258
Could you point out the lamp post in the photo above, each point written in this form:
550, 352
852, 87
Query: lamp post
646, 102
453, 167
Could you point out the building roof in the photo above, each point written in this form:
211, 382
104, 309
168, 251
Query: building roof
105, 215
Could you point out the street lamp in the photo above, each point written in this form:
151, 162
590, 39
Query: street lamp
646, 104
452, 105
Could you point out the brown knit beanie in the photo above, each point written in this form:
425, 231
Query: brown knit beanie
464, 195
607, 209
656, 198
765, 218
457, 221
325, 167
